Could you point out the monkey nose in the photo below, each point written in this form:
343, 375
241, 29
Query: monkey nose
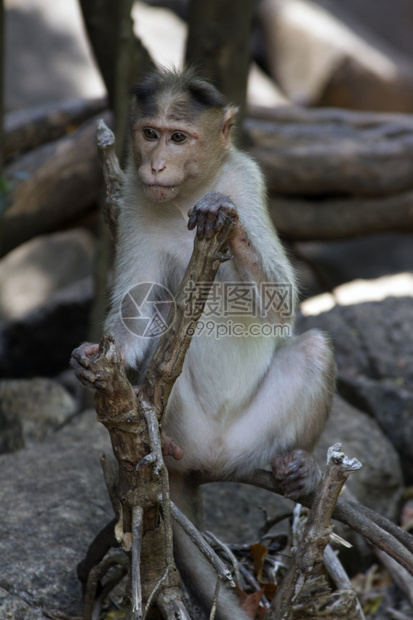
158, 166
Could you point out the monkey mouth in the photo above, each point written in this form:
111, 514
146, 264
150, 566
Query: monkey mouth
160, 186
160, 192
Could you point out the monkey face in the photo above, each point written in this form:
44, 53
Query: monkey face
168, 157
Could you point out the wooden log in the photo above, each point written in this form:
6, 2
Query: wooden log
50, 186
29, 128
311, 158
326, 152
331, 219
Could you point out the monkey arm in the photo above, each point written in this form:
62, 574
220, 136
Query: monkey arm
259, 256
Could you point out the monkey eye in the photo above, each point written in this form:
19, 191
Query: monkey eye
150, 134
178, 137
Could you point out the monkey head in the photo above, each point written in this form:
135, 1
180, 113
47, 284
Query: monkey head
180, 134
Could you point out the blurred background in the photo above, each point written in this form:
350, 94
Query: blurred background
325, 89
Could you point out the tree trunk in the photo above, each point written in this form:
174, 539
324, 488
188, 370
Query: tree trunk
219, 44
120, 55
122, 60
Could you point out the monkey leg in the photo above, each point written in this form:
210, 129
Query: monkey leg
288, 412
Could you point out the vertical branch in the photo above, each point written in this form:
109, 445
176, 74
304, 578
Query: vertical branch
137, 521
122, 60
310, 552
144, 526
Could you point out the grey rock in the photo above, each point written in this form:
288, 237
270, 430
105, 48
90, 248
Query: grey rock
53, 502
45, 291
36, 270
235, 512
373, 345
42, 405
15, 608
379, 483
11, 431
391, 406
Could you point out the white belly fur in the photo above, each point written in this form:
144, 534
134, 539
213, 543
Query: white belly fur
217, 381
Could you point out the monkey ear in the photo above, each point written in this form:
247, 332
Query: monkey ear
227, 122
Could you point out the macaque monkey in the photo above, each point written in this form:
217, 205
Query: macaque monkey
242, 401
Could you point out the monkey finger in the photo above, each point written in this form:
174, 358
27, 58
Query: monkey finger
230, 209
192, 218
86, 377
202, 226
101, 384
79, 358
220, 220
84, 353
210, 228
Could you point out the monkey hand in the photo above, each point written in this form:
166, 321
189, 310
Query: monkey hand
210, 213
170, 448
82, 360
297, 473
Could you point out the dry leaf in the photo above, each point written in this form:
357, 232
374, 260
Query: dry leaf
251, 602
258, 553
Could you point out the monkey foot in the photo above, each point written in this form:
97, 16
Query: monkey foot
296, 472
170, 448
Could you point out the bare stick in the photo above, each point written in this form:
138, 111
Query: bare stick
316, 532
114, 177
171, 605
341, 579
215, 601
95, 574
154, 593
202, 544
377, 529
228, 553
400, 575
137, 517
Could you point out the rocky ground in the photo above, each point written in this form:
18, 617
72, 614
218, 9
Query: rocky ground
52, 496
